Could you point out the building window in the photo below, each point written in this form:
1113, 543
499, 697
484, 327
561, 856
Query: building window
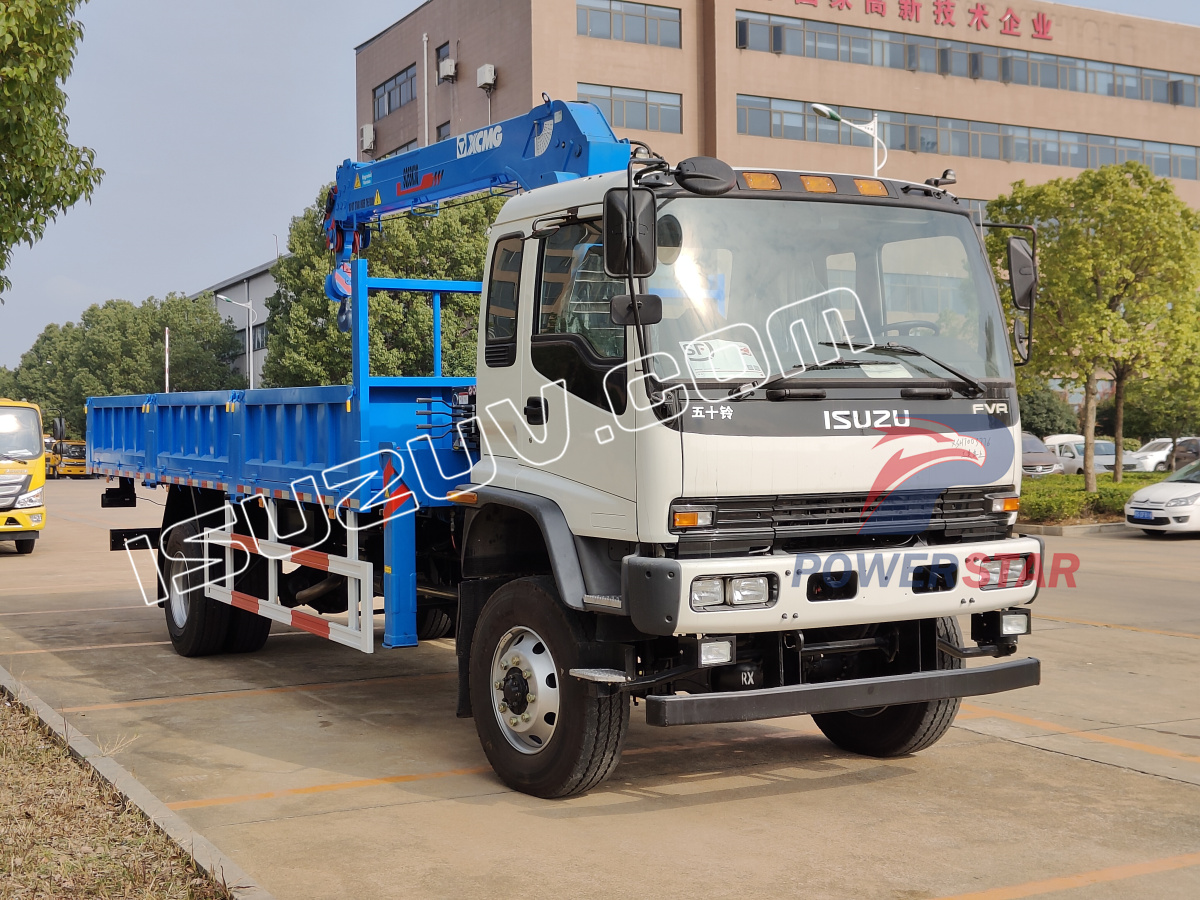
795, 120
638, 23
443, 132
259, 337
442, 52
397, 92
916, 53
403, 148
631, 108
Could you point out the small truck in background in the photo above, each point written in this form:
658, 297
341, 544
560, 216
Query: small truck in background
22, 474
741, 444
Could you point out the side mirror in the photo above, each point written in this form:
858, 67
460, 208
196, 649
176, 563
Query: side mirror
1022, 273
58, 428
1021, 337
624, 226
649, 308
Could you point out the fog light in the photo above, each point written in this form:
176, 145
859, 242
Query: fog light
754, 590
36, 519
708, 592
716, 653
1014, 622
1002, 572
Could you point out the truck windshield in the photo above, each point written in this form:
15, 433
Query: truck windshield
756, 287
20, 432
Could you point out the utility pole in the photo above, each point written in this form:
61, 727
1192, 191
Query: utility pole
166, 360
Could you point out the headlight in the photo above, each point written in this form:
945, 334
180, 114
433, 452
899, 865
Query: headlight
33, 498
1179, 501
708, 592
749, 591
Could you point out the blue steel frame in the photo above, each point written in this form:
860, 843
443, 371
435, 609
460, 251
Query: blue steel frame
386, 409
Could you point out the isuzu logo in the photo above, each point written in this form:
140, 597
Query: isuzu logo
480, 141
845, 419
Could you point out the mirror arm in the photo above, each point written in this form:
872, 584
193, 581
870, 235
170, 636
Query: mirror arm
638, 327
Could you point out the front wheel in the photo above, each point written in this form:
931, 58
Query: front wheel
903, 729
541, 730
26, 546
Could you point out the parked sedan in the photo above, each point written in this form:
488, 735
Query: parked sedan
1171, 505
1154, 456
1186, 451
1069, 449
1036, 460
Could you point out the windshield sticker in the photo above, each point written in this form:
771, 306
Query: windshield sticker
721, 360
887, 370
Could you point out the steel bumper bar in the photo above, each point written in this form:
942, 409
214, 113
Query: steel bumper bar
837, 696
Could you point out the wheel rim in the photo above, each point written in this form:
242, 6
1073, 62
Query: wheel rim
177, 600
523, 667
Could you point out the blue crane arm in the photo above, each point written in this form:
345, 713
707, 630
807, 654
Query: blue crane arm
554, 142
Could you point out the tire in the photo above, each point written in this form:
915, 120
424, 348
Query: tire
573, 740
897, 730
198, 625
1152, 533
1161, 467
248, 631
26, 547
433, 624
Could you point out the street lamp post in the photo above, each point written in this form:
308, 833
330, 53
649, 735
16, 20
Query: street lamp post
251, 318
871, 129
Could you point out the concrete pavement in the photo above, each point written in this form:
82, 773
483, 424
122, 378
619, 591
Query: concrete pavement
324, 772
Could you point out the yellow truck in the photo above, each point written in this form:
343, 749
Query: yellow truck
70, 460
22, 474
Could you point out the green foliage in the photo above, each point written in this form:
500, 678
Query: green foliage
1058, 498
1044, 412
43, 173
1117, 249
304, 346
117, 348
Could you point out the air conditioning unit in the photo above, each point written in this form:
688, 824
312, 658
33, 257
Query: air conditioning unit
485, 77
447, 69
367, 138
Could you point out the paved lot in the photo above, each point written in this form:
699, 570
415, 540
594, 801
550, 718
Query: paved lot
327, 773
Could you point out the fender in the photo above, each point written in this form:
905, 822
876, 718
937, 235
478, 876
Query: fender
556, 535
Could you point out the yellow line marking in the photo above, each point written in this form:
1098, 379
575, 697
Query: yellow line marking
251, 692
1083, 879
1182, 634
1086, 735
324, 788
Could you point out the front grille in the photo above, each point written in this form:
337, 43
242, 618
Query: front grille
12, 487
1157, 520
827, 521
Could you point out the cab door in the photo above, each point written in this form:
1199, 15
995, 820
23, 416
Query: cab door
578, 444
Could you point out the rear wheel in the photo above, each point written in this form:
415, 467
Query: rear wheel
1160, 467
433, 624
26, 546
898, 730
542, 731
198, 625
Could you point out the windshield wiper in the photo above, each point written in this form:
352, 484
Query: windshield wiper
784, 376
9, 456
977, 386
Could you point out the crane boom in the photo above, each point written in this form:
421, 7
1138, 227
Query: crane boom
556, 141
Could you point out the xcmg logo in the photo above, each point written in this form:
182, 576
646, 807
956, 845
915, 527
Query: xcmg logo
480, 141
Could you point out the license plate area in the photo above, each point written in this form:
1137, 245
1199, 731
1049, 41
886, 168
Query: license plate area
1143, 515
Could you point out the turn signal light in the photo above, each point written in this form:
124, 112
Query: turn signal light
1006, 504
818, 184
868, 187
761, 181
693, 519
470, 498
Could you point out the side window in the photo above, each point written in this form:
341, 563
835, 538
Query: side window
575, 293
574, 336
503, 290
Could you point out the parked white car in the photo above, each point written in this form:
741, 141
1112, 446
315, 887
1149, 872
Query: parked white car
1069, 450
1155, 456
1169, 506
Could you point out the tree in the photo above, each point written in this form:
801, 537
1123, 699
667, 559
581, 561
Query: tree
1117, 249
1043, 412
44, 174
304, 346
117, 348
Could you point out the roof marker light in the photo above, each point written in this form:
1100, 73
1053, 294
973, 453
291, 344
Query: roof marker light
869, 187
761, 181
818, 184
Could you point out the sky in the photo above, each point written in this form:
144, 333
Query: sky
215, 122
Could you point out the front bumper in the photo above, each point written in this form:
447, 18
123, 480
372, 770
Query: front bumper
838, 696
1166, 520
14, 521
658, 591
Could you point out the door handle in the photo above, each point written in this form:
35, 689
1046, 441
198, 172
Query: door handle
537, 410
